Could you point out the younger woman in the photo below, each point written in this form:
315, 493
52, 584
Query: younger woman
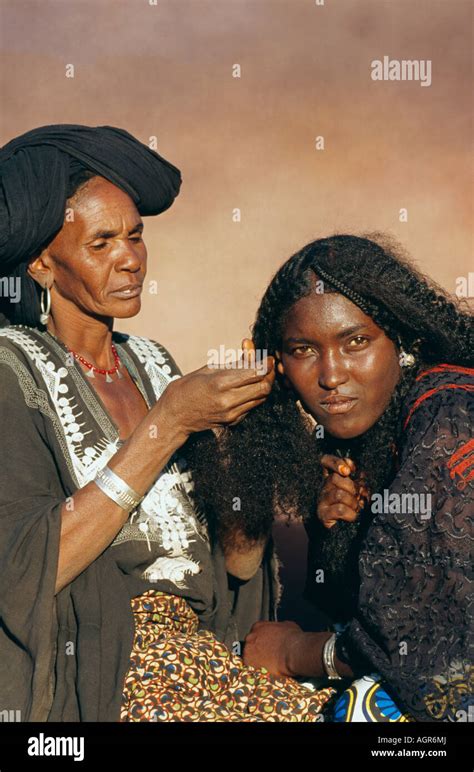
374, 367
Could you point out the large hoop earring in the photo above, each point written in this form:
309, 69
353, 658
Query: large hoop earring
45, 311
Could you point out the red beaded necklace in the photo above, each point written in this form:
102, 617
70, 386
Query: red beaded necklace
92, 369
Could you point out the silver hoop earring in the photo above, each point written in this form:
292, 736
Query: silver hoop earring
45, 311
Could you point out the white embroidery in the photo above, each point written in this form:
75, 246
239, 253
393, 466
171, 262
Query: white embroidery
173, 569
67, 409
166, 515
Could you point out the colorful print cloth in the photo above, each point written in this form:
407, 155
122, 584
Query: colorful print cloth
367, 701
180, 673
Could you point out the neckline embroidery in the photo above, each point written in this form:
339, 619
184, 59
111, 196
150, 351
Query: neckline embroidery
91, 397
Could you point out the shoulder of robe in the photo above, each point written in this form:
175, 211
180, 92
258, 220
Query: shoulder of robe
18, 343
443, 388
438, 425
23, 396
146, 349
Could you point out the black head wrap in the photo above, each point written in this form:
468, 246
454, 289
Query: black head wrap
34, 173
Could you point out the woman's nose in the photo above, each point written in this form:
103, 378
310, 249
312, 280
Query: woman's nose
129, 257
332, 372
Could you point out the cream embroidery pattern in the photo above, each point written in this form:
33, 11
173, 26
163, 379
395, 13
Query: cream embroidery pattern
166, 515
86, 459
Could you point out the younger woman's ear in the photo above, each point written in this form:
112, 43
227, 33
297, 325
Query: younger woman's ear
280, 366
281, 370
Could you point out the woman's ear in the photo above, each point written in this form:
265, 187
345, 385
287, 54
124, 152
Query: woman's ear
39, 268
281, 370
280, 366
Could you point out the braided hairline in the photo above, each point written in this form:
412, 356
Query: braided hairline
296, 271
291, 274
343, 289
380, 315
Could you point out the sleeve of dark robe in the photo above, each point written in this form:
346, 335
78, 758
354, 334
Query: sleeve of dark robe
63, 657
30, 519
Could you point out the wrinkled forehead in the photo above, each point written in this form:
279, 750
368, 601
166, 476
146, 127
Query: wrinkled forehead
100, 206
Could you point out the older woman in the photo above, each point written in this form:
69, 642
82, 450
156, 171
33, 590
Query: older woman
380, 359
110, 592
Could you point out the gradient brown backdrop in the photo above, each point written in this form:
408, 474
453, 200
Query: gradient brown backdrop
165, 70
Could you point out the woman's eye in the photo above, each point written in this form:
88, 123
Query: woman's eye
358, 341
302, 350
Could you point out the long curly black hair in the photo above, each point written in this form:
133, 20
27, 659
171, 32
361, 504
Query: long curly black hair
269, 463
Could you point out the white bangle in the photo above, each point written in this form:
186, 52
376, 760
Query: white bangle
328, 659
117, 489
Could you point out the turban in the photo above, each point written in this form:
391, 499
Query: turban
34, 174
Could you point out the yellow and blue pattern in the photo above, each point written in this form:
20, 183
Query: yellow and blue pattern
366, 700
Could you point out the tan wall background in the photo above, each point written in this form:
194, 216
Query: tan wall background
165, 70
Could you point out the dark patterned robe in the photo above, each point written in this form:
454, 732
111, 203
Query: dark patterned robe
414, 622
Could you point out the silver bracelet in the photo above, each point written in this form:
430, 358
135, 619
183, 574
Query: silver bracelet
328, 659
117, 489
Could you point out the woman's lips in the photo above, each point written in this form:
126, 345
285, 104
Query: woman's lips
128, 293
339, 406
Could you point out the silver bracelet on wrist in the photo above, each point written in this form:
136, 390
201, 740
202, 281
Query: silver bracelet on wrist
328, 659
117, 489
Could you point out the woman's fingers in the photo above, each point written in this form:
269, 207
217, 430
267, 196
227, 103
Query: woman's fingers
340, 496
337, 481
330, 514
252, 391
238, 377
238, 387
212, 396
242, 411
339, 500
343, 466
248, 349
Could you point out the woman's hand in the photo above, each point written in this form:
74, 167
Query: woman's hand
210, 397
341, 497
284, 649
268, 645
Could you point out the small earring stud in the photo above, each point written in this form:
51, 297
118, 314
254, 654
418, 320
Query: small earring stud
405, 359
